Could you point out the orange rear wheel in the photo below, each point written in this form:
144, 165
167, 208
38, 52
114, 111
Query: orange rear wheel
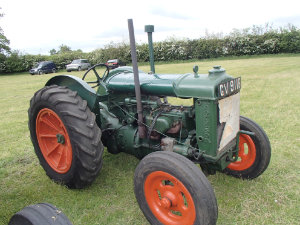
54, 140
65, 136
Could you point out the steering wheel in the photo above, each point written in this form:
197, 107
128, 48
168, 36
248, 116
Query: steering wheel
98, 81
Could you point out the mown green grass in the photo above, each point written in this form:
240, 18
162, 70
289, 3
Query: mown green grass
270, 95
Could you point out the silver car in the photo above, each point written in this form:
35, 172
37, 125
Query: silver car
78, 64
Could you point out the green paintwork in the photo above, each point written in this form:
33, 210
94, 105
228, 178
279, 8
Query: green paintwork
206, 126
108, 119
150, 29
188, 85
76, 84
162, 123
126, 139
193, 128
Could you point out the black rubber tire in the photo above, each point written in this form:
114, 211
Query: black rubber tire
263, 151
186, 172
39, 214
85, 135
40, 72
79, 68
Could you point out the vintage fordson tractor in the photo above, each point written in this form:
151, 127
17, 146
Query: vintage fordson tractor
70, 121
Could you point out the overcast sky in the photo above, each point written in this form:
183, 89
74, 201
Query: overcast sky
36, 26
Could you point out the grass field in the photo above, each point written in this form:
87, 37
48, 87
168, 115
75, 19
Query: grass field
270, 95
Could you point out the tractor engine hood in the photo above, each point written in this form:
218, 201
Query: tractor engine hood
190, 85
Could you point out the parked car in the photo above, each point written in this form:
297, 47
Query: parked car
114, 63
43, 67
78, 64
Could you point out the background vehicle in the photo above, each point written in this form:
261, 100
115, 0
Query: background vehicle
115, 63
43, 67
70, 122
78, 64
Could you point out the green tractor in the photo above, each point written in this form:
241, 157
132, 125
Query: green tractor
127, 110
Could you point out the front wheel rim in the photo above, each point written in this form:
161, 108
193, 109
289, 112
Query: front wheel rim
54, 140
247, 154
168, 199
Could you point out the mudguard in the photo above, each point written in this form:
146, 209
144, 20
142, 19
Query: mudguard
76, 84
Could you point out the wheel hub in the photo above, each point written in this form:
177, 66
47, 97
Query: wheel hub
170, 196
166, 203
60, 138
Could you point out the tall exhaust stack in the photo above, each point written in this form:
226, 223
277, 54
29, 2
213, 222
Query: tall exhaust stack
141, 127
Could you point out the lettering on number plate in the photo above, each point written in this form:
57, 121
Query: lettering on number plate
229, 87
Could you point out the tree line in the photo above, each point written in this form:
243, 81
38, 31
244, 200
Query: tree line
256, 40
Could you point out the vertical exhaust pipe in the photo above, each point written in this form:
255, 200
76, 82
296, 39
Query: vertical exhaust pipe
141, 127
150, 29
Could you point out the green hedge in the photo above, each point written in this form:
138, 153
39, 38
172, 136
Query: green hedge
253, 41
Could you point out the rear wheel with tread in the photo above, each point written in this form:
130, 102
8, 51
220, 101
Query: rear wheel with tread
65, 136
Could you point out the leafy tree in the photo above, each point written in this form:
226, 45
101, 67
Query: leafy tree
64, 49
53, 52
4, 42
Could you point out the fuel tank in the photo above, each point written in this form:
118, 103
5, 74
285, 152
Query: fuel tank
189, 85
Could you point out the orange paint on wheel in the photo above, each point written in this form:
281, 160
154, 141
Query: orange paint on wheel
54, 140
168, 199
246, 158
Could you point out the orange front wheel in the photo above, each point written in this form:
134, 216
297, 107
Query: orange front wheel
254, 152
169, 199
172, 190
247, 154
